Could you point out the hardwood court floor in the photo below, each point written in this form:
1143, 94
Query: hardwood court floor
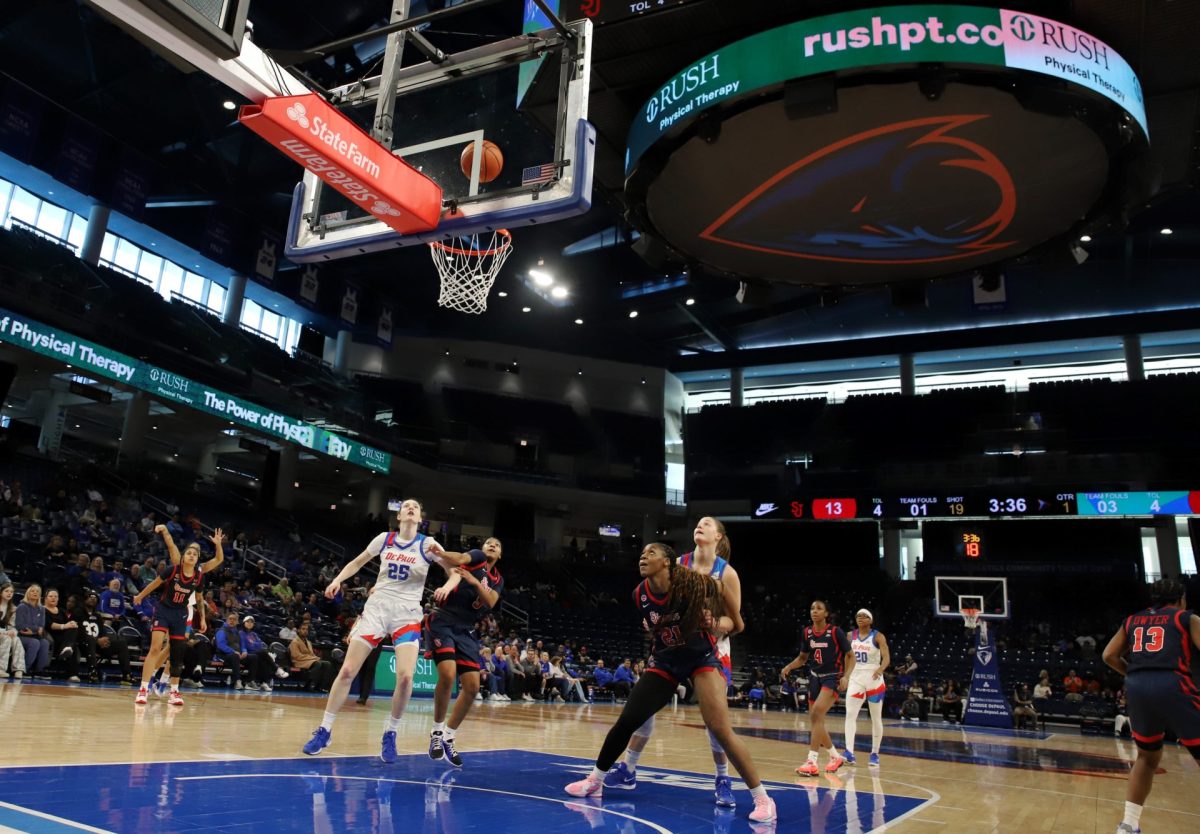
934, 777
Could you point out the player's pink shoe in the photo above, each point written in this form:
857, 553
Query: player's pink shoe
586, 787
764, 810
835, 764
809, 768
142, 696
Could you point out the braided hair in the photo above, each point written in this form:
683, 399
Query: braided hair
691, 594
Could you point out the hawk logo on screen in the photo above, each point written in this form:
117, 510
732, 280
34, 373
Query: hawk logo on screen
873, 198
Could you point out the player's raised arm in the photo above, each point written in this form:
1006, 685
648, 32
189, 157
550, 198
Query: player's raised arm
1114, 652
446, 558
798, 663
488, 596
172, 550
218, 540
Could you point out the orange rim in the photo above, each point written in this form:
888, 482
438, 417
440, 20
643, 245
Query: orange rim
477, 253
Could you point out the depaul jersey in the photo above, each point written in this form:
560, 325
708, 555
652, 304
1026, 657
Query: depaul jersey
826, 649
176, 591
688, 560
663, 624
867, 656
464, 604
1159, 638
403, 567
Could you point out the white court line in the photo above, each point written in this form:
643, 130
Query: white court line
565, 802
208, 760
71, 823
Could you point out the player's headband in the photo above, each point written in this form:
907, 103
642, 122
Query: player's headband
868, 613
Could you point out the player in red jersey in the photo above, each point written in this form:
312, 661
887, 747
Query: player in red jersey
682, 609
180, 580
1158, 651
833, 662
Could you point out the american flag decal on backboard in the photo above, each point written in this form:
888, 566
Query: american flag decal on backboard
539, 174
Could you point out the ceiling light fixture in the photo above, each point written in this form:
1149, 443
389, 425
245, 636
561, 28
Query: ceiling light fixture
502, 294
1166, 230
633, 314
526, 309
559, 292
1085, 239
229, 105
690, 302
541, 277
579, 321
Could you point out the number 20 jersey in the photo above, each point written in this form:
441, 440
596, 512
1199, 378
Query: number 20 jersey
403, 567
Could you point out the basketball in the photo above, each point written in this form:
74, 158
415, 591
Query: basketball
489, 167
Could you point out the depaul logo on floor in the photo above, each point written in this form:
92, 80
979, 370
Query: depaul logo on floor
97, 360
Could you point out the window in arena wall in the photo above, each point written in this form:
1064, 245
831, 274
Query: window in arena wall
193, 286
216, 298
171, 280
52, 220
24, 207
150, 269
127, 255
108, 247
6, 193
77, 231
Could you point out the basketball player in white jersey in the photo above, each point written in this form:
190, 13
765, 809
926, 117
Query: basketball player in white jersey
711, 558
871, 659
393, 613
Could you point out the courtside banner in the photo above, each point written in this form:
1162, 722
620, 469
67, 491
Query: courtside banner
987, 705
320, 138
868, 39
92, 359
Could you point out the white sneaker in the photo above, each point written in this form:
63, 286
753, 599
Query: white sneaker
18, 674
478, 696
239, 685
281, 673
73, 679
252, 686
142, 695
264, 687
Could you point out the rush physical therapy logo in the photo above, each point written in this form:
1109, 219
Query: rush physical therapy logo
871, 198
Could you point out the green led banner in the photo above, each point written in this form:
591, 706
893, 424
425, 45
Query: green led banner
425, 676
96, 360
870, 38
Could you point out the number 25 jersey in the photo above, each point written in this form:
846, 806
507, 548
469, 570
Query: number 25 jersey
403, 567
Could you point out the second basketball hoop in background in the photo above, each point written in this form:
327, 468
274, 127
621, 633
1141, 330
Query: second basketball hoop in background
491, 161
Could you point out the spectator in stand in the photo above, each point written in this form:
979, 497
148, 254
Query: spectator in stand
142, 616
63, 629
602, 678
318, 673
137, 579
1087, 645
97, 575
283, 591
229, 598
12, 651
174, 526
1042, 689
951, 700
557, 683
148, 522
1120, 721
295, 567
259, 574
98, 640
265, 668
112, 604
487, 676
31, 626
515, 684
623, 680
533, 675
584, 661
1023, 706
311, 606
910, 710
229, 649
1073, 684
499, 671
212, 614
55, 550
288, 633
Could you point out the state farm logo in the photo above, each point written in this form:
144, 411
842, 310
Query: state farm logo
298, 114
1022, 28
386, 208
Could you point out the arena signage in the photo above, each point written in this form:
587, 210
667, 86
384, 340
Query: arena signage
320, 138
97, 360
871, 38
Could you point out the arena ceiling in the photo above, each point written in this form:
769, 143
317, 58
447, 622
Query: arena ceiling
82, 62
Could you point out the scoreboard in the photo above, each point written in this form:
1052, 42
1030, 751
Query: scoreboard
607, 11
847, 507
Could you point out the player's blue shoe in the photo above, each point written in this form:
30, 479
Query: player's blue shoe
848, 755
435, 745
318, 742
620, 778
387, 748
1124, 828
723, 792
874, 760
451, 754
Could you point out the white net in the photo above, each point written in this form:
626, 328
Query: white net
468, 268
970, 618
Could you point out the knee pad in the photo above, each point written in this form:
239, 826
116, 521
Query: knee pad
178, 650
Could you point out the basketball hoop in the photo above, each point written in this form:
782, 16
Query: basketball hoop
971, 620
468, 267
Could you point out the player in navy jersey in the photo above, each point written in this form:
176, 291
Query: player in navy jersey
1158, 651
450, 640
682, 609
179, 580
710, 558
828, 648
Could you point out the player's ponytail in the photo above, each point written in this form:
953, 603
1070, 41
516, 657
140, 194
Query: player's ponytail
723, 548
692, 592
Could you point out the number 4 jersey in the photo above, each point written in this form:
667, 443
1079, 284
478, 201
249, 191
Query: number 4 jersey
1159, 639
